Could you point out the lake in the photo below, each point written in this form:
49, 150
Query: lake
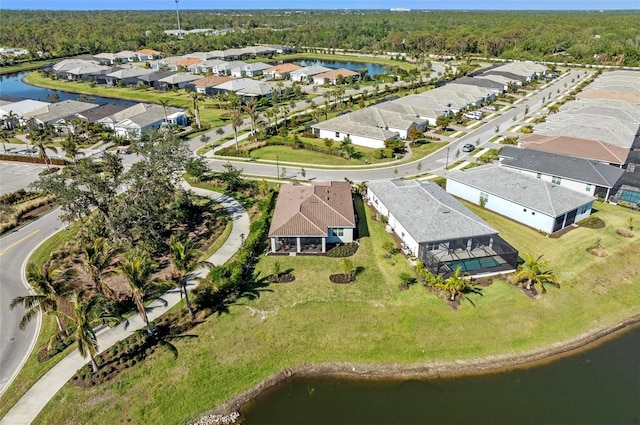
13, 89
597, 386
372, 68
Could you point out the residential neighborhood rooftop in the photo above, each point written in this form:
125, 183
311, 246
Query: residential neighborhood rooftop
573, 146
530, 192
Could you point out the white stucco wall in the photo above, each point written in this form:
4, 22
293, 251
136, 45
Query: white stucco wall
356, 140
345, 238
398, 229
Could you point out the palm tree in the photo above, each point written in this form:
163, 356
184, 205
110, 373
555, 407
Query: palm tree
458, 284
236, 121
137, 267
51, 286
70, 147
165, 103
86, 316
269, 113
534, 272
195, 96
6, 132
184, 257
98, 258
41, 138
250, 109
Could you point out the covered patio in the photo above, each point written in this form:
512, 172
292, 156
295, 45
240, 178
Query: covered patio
298, 245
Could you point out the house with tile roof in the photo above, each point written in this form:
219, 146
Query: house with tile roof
306, 74
183, 63
205, 85
534, 202
582, 175
439, 230
332, 76
148, 54
280, 72
308, 218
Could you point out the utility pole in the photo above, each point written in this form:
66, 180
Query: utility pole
178, 15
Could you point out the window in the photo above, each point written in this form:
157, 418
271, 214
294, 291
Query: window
539, 175
483, 199
556, 180
337, 134
338, 232
587, 188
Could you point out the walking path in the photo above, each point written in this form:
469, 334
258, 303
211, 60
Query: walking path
34, 400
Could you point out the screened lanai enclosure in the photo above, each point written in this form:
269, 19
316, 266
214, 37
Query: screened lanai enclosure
474, 256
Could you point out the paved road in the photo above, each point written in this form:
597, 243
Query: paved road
30, 405
434, 163
15, 248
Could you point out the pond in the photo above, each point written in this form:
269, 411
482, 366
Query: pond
372, 68
13, 89
597, 386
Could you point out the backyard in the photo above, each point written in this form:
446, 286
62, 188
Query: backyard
312, 321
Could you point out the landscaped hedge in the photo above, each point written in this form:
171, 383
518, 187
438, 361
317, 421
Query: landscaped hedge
32, 159
246, 151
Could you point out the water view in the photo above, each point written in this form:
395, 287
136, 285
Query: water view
598, 386
13, 89
372, 68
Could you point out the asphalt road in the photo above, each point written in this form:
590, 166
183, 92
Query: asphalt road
15, 248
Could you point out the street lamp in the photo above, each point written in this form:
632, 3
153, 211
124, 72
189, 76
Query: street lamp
178, 15
447, 164
277, 168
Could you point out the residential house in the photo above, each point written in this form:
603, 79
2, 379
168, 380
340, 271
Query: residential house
439, 230
148, 54
245, 87
175, 81
75, 69
308, 218
280, 72
126, 77
334, 76
58, 114
306, 74
534, 202
205, 85
253, 69
225, 68
582, 175
183, 64
132, 122
580, 148
206, 67
151, 80
19, 109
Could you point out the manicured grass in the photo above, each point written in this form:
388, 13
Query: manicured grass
42, 253
312, 321
25, 66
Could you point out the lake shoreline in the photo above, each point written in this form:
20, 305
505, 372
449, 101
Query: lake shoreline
441, 369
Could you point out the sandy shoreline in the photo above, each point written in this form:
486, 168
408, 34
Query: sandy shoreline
484, 365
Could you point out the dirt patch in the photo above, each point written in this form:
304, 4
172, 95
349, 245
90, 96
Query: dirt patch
342, 278
531, 293
625, 233
598, 251
592, 222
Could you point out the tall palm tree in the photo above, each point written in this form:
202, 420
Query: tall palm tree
195, 97
41, 137
164, 103
534, 272
251, 109
87, 314
51, 286
458, 284
137, 267
70, 147
98, 258
236, 122
6, 132
184, 257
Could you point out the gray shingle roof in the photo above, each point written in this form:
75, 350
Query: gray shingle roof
427, 212
578, 169
530, 192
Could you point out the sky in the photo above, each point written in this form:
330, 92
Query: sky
325, 4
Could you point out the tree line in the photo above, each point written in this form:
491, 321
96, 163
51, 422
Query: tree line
609, 37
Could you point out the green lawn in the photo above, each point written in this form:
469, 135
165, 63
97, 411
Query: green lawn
345, 58
25, 66
312, 321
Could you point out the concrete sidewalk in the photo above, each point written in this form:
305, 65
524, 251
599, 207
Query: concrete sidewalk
34, 400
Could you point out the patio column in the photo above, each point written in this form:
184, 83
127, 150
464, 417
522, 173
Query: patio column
273, 244
298, 249
324, 245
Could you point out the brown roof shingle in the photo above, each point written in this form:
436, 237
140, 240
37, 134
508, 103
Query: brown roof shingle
572, 146
311, 210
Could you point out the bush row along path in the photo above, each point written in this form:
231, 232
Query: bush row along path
30, 405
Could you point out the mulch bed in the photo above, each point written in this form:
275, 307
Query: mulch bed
342, 278
282, 278
598, 251
592, 223
531, 293
625, 233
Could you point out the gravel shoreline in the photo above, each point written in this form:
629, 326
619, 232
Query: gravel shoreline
483, 365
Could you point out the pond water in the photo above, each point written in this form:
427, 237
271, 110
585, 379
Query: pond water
597, 386
13, 89
372, 68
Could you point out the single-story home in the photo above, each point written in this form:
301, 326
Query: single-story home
142, 117
306, 74
18, 109
58, 113
534, 202
361, 134
205, 85
333, 76
183, 64
308, 217
280, 72
148, 54
582, 175
253, 69
126, 76
176, 81
439, 230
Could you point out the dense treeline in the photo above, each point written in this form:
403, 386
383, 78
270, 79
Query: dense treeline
589, 37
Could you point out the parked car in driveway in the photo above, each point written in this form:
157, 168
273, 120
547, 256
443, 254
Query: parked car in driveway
468, 148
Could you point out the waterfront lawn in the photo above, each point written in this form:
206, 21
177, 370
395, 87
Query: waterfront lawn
313, 321
346, 58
